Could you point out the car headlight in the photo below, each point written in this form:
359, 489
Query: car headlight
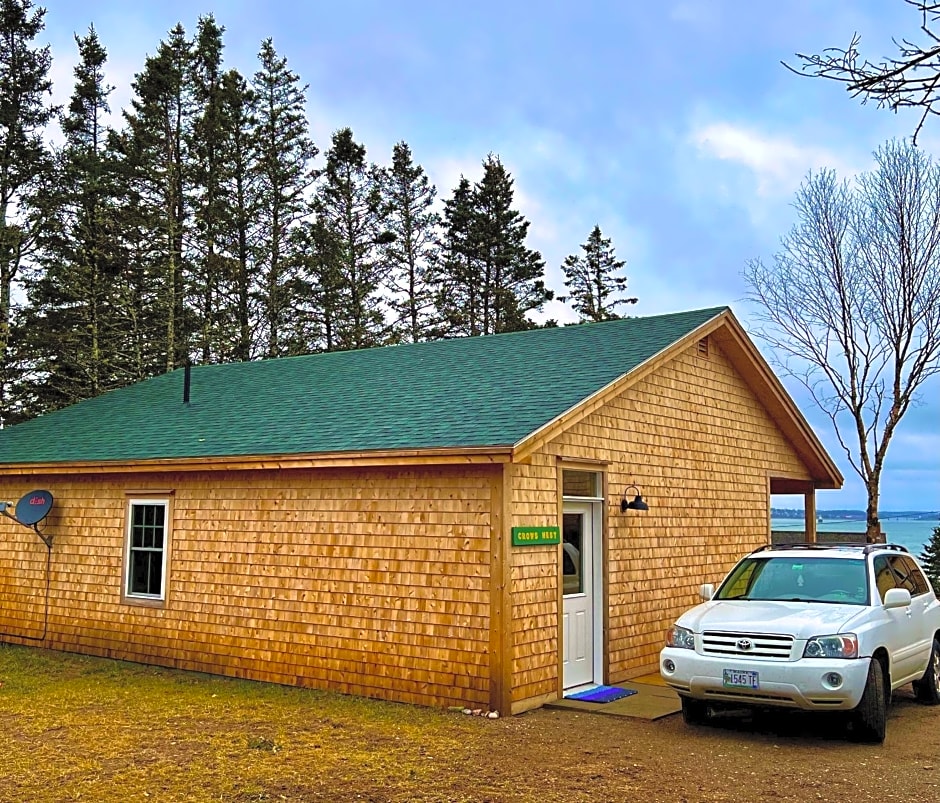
843, 645
680, 637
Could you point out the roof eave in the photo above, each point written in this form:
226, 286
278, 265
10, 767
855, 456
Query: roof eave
740, 349
391, 457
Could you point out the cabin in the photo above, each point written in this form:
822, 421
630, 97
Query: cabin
481, 522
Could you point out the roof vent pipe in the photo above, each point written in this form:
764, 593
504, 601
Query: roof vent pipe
186, 376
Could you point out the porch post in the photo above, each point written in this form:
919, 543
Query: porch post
809, 506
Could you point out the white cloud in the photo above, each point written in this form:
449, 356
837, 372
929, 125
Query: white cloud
920, 447
445, 171
778, 163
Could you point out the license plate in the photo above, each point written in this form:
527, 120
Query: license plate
738, 679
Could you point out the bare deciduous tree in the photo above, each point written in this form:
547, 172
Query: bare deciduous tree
911, 78
852, 301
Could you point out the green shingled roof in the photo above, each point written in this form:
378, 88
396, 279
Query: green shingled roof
470, 392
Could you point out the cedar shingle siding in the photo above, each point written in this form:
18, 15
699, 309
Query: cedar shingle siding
342, 521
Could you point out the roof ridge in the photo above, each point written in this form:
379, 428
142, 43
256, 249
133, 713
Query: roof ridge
464, 339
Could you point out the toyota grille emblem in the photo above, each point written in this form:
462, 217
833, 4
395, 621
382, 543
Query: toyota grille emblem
744, 644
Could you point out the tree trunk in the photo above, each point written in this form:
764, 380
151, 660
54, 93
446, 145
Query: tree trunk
873, 534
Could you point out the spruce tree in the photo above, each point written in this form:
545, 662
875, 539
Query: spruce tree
155, 154
25, 165
412, 256
592, 280
69, 328
284, 172
348, 206
240, 185
209, 156
512, 272
139, 292
318, 304
487, 250
930, 560
458, 300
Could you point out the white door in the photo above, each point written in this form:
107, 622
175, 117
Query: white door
577, 557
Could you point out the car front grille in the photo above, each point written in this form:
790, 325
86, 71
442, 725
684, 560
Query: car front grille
747, 645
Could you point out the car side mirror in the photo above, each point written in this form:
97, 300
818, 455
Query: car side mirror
897, 598
707, 591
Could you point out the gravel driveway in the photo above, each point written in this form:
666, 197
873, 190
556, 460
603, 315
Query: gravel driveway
768, 757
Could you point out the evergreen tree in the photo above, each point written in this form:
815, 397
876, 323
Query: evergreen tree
154, 149
139, 293
69, 328
318, 304
591, 279
284, 173
459, 297
492, 255
25, 165
209, 157
412, 256
348, 206
512, 273
930, 560
240, 185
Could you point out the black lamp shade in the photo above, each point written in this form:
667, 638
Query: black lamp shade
637, 503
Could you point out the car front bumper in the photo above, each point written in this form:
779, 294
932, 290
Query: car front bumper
806, 683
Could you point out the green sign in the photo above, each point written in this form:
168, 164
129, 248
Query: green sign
535, 536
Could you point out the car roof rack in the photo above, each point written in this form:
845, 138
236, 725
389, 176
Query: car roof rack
866, 548
893, 547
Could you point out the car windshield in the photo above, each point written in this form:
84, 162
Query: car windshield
797, 579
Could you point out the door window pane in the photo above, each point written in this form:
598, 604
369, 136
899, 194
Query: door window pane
572, 561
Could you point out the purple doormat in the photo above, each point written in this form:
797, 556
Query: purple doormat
601, 694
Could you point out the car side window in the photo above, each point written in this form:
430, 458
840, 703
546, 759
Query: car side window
914, 575
902, 573
884, 577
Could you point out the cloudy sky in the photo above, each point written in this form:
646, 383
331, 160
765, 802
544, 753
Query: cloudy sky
670, 124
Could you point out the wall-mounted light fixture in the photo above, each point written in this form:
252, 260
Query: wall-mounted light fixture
636, 503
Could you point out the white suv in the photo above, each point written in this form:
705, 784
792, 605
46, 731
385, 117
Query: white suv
823, 628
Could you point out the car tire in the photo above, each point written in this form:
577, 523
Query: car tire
927, 688
870, 716
694, 712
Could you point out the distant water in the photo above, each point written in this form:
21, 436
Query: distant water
912, 534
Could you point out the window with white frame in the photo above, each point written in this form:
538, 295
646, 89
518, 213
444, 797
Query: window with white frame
147, 542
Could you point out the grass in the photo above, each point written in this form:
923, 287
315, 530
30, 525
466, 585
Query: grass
81, 728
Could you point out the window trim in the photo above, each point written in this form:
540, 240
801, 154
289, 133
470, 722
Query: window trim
147, 600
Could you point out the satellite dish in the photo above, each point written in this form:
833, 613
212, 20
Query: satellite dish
33, 508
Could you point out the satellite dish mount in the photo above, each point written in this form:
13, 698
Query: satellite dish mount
30, 511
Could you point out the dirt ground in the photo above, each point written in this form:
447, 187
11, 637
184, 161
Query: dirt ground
740, 757
77, 728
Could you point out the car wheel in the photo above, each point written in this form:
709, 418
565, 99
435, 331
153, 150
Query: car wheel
694, 712
871, 714
928, 687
